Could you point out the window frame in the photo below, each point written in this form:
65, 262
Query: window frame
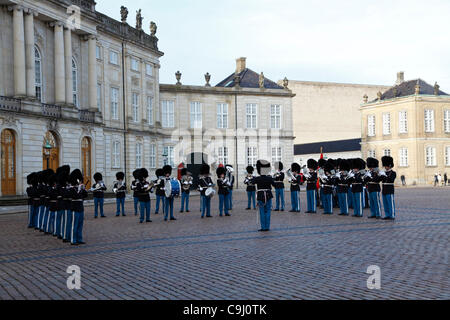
152, 156
371, 127
403, 121
429, 122
139, 155
167, 116
278, 154
253, 116
114, 110
276, 116
134, 64
148, 66
150, 111
387, 124
116, 54
196, 115
446, 120
40, 84
403, 156
253, 157
135, 106
116, 155
222, 117
222, 155
170, 159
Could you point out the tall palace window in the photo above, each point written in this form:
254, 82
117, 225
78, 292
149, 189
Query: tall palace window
38, 73
75, 82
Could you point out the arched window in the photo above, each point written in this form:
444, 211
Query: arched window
38, 73
74, 82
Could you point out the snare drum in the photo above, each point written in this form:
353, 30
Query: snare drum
210, 192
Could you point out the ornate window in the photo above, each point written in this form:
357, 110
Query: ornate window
222, 115
38, 73
196, 115
251, 115
275, 116
114, 103
447, 121
75, 82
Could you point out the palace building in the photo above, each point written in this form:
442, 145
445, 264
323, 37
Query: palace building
80, 88
411, 123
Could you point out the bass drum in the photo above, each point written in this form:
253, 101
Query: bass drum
172, 188
210, 192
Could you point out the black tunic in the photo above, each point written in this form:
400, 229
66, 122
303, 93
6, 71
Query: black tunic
141, 191
100, 193
223, 187
264, 186
77, 199
388, 182
311, 182
204, 183
373, 183
295, 184
250, 186
279, 184
357, 182
120, 190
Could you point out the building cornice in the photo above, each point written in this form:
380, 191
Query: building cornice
174, 88
410, 98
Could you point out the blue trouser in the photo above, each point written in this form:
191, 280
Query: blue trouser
364, 198
206, 206
295, 201
279, 199
135, 201
76, 235
38, 215
50, 226
68, 225
168, 207
98, 202
375, 204
32, 213
58, 220
251, 197
120, 203
184, 201
230, 199
162, 199
223, 198
311, 200
44, 219
389, 205
321, 196
144, 206
264, 214
350, 197
343, 202
358, 204
327, 202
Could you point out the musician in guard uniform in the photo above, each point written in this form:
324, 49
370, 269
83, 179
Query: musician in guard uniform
230, 178
264, 183
251, 189
328, 182
388, 179
143, 188
342, 186
295, 180
168, 205
279, 186
224, 189
159, 190
311, 185
98, 189
372, 180
204, 183
356, 180
78, 193
186, 184
120, 189
135, 194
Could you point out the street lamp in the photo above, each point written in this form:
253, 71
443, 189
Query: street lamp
47, 150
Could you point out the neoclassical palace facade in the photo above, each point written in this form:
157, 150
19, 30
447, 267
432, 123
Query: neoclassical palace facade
80, 88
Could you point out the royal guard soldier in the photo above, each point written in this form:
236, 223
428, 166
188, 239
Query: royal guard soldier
357, 180
251, 188
342, 186
47, 174
350, 193
295, 181
79, 193
168, 201
204, 183
388, 178
372, 180
33, 203
120, 189
143, 189
60, 185
264, 183
135, 195
53, 204
186, 184
328, 182
224, 190
98, 189
230, 178
321, 163
159, 190
311, 185
279, 186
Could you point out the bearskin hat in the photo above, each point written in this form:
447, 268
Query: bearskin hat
120, 175
372, 163
52, 179
62, 178
98, 176
344, 165
278, 165
143, 173
220, 171
47, 174
328, 167
76, 177
387, 161
159, 172
136, 173
167, 169
312, 164
64, 169
338, 162
204, 169
359, 164
184, 171
332, 163
250, 169
30, 178
321, 162
295, 167
263, 167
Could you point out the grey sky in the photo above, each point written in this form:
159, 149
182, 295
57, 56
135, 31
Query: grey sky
353, 41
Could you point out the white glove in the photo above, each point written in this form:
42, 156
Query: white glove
382, 173
200, 188
368, 174
350, 175
338, 175
307, 175
185, 182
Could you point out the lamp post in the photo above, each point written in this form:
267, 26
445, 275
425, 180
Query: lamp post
47, 151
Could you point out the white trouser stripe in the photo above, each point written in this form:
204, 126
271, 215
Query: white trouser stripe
73, 225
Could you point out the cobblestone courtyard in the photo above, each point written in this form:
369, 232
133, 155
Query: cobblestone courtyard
304, 256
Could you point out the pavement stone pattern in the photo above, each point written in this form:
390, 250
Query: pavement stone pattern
304, 256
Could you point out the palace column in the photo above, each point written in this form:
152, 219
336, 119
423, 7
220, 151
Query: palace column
68, 65
19, 52
60, 83
29, 52
92, 76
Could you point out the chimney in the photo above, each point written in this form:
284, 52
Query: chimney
240, 64
400, 77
